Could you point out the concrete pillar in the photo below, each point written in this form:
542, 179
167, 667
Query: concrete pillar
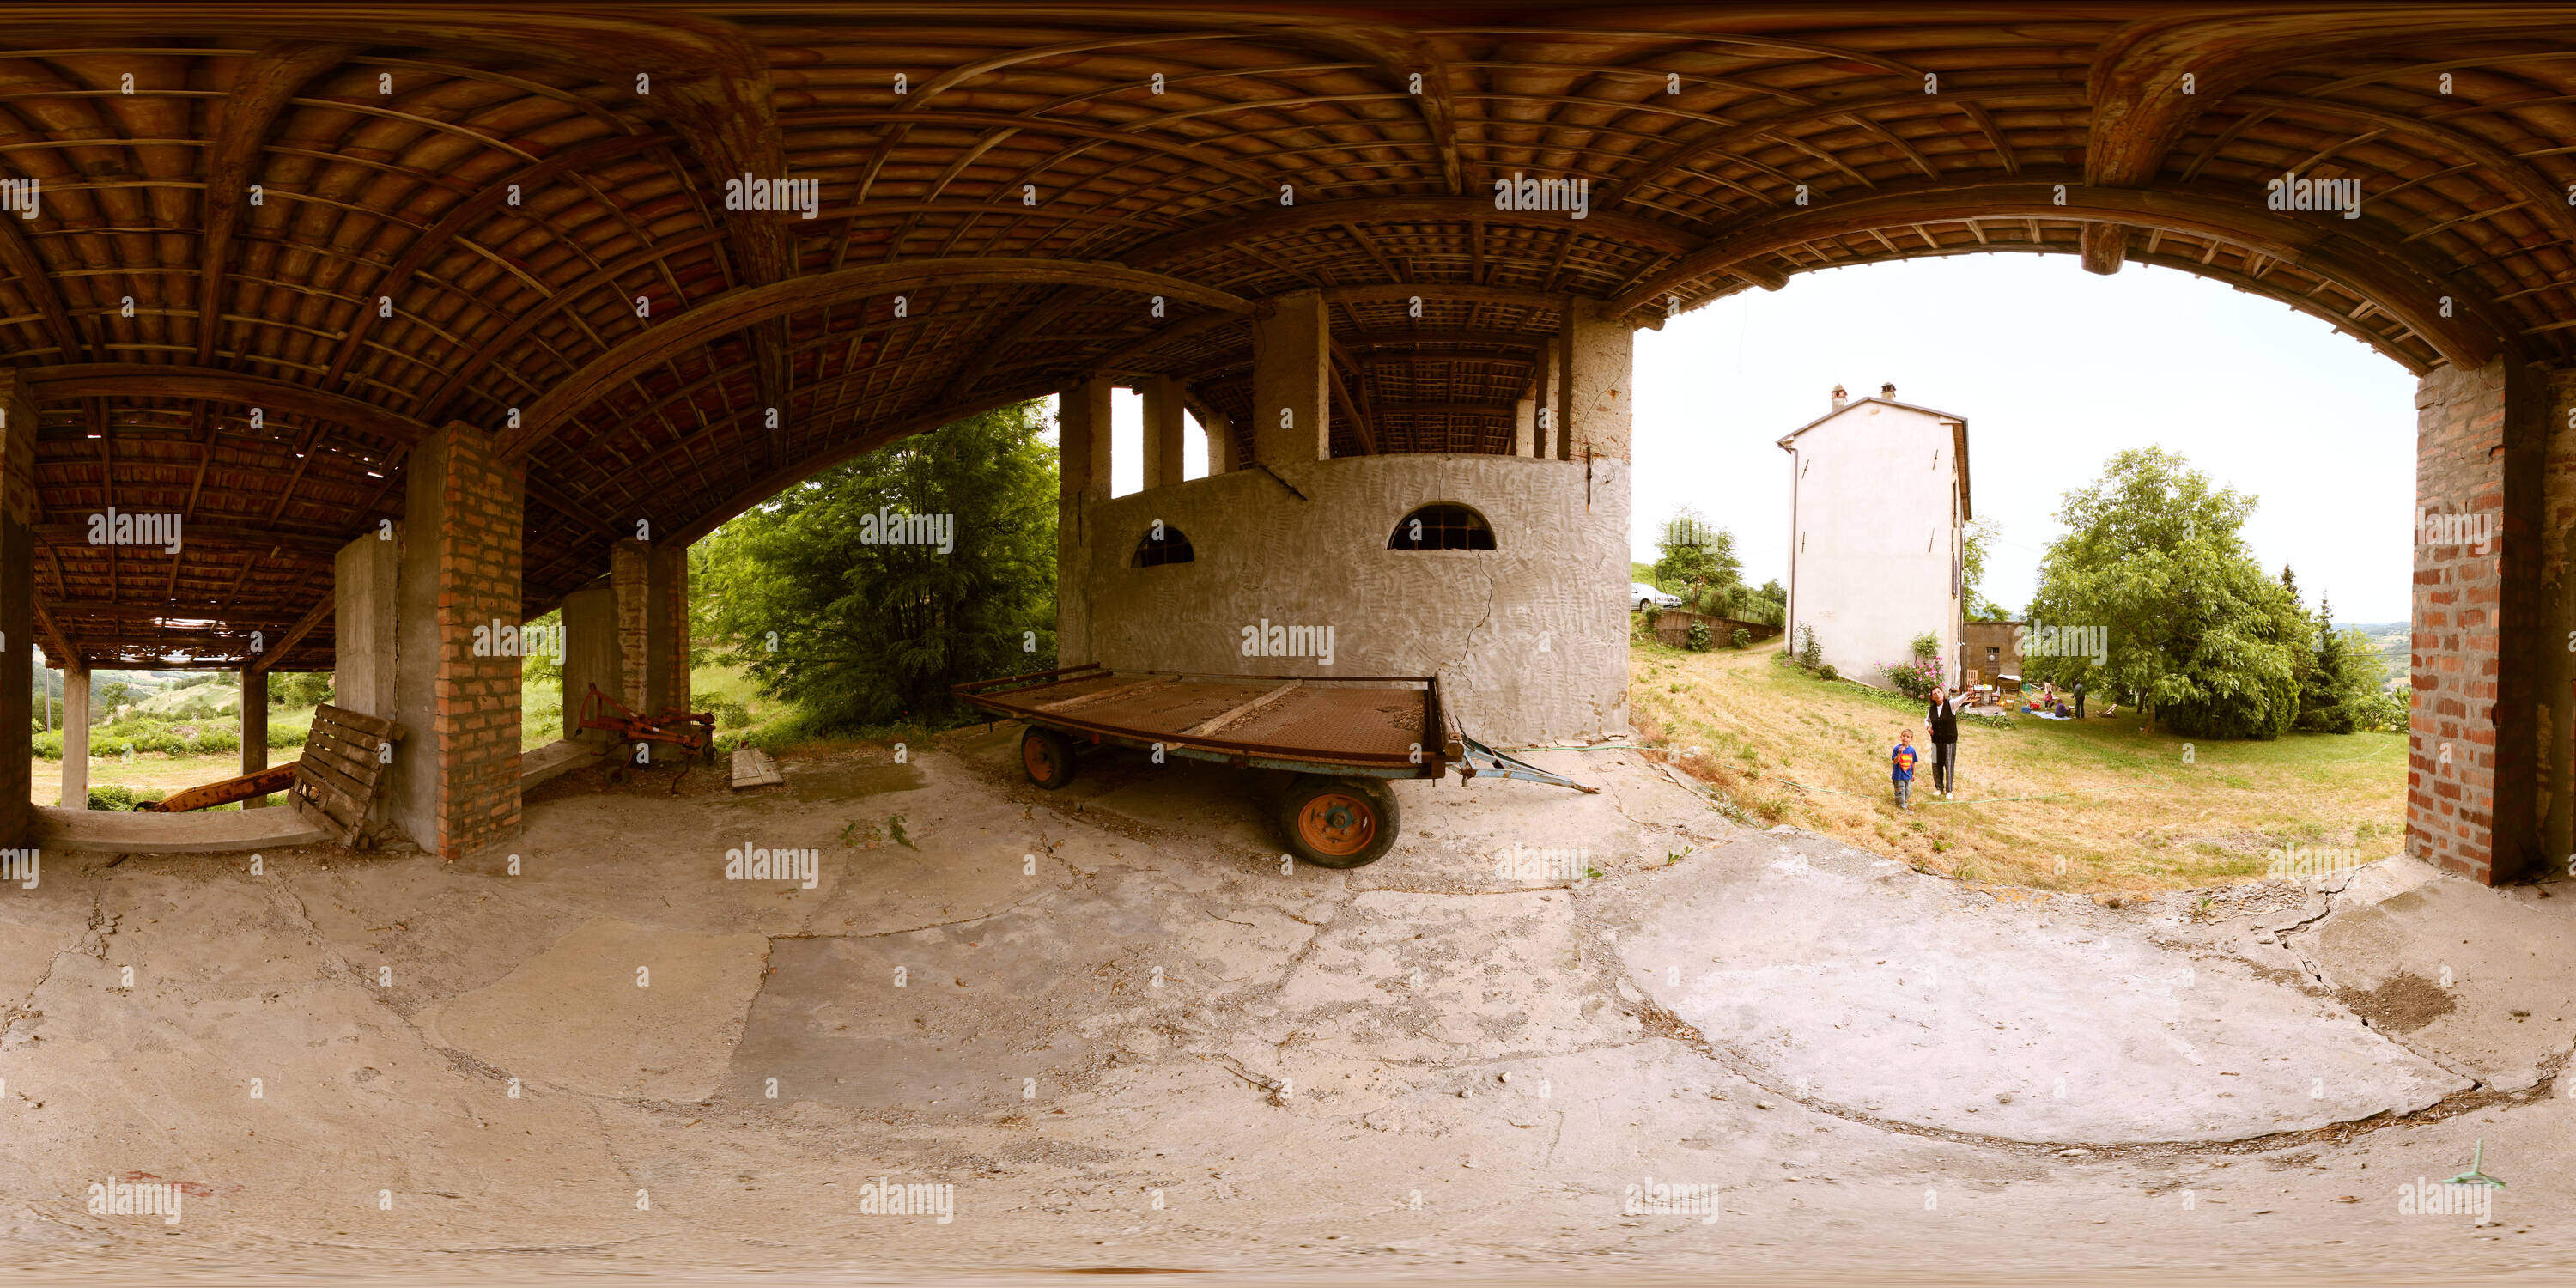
1162, 432
365, 581
17, 605
2491, 696
1525, 425
651, 588
1082, 481
75, 734
254, 728
1291, 381
454, 785
591, 655
1220, 443
1596, 353
1545, 414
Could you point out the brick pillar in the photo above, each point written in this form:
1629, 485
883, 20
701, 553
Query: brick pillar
630, 575
455, 781
651, 585
1162, 432
254, 728
1291, 380
672, 595
2556, 803
17, 605
2473, 772
1082, 481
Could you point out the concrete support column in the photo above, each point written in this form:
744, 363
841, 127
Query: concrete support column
17, 606
254, 728
1220, 444
1082, 481
1162, 431
1291, 380
1596, 353
366, 590
2490, 697
454, 786
592, 655
75, 734
1525, 425
1545, 415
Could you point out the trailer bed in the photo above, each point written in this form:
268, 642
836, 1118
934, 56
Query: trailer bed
1368, 726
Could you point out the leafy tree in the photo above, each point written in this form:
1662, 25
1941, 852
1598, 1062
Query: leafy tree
868, 633
1691, 553
114, 694
299, 688
1979, 541
2344, 688
2194, 630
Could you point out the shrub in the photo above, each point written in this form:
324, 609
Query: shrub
1915, 679
123, 798
1700, 638
1811, 654
1742, 638
1927, 646
1828, 672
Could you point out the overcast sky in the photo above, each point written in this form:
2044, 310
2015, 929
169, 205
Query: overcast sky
2055, 369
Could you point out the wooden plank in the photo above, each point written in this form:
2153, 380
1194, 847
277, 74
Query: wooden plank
309, 771
325, 747
361, 721
753, 768
276, 778
1210, 726
1084, 700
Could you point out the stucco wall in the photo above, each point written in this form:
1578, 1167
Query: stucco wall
1529, 639
1875, 538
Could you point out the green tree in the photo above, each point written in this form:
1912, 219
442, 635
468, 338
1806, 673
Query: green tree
299, 688
1974, 547
1691, 554
113, 694
861, 633
2194, 631
2344, 688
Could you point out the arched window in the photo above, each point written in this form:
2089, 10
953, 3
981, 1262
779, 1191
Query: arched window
1442, 527
1162, 544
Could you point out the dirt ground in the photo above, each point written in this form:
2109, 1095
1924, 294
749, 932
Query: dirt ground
1108, 1031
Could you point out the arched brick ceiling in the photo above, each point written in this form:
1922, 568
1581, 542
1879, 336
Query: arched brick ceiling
459, 210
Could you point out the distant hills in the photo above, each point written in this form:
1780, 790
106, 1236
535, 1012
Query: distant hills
2395, 641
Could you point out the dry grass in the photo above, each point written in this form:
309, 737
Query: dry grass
2097, 806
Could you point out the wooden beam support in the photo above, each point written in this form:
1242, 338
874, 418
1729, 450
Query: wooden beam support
242, 120
295, 634
172, 380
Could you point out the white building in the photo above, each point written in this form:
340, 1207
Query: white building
1878, 508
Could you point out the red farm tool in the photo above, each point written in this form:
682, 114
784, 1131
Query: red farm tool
692, 733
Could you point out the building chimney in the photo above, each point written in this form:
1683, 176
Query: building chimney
1839, 396
1887, 391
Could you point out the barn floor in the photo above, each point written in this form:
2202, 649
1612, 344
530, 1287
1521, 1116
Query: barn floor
1126, 1039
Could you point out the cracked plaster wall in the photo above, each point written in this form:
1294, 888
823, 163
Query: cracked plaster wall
1530, 639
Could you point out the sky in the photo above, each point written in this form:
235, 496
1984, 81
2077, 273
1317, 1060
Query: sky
2055, 369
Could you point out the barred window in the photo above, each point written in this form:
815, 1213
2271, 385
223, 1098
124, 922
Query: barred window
1442, 527
1162, 544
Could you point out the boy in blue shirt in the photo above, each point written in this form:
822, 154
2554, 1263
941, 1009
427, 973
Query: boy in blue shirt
1901, 768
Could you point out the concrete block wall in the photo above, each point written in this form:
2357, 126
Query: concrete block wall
1530, 639
2489, 682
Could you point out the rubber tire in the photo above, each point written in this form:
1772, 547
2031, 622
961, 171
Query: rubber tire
621, 772
1371, 793
1046, 757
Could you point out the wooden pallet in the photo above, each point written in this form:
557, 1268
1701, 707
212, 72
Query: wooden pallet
753, 768
345, 757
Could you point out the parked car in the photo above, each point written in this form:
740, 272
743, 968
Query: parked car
1642, 595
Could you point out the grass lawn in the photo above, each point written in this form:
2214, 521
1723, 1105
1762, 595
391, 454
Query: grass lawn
2123, 810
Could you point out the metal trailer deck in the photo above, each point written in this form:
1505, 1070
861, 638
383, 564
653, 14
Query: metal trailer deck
1341, 736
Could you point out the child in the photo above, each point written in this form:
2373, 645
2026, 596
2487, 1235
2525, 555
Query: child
1901, 768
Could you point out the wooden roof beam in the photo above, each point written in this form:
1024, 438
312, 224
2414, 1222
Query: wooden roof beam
173, 380
244, 115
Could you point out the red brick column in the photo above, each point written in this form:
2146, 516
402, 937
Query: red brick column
2557, 707
2473, 780
462, 528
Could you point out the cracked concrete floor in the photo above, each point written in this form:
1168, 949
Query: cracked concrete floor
1126, 1038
